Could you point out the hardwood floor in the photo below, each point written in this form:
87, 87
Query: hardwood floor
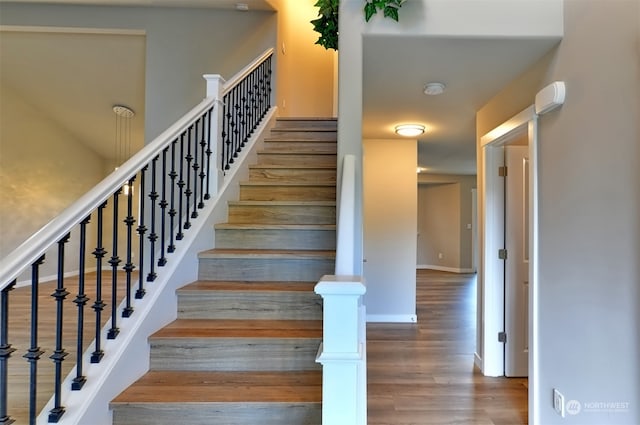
19, 337
424, 373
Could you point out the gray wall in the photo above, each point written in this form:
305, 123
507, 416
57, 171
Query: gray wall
444, 213
589, 215
182, 45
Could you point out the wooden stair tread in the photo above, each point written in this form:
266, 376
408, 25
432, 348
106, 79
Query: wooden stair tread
224, 387
258, 226
288, 184
284, 203
294, 167
237, 328
221, 285
266, 253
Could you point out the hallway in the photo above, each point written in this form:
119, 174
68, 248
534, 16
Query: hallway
424, 373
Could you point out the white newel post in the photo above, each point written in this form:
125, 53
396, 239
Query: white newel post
215, 85
343, 351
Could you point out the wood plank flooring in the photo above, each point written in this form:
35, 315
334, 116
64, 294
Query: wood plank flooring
424, 373
19, 336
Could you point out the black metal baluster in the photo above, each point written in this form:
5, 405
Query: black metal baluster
129, 267
115, 262
60, 294
162, 261
203, 146
226, 132
34, 352
236, 129
196, 167
244, 108
5, 353
141, 229
80, 301
153, 236
207, 195
99, 304
180, 235
172, 210
188, 192
254, 99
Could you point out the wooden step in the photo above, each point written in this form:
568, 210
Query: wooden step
309, 146
216, 398
249, 300
296, 159
306, 122
276, 236
236, 345
281, 191
301, 138
282, 212
292, 174
265, 265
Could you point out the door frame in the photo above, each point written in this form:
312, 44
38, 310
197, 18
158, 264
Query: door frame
491, 273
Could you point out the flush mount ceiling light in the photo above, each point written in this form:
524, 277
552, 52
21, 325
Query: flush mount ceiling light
434, 89
242, 7
409, 130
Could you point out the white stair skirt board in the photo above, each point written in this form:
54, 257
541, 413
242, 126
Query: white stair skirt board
392, 318
445, 269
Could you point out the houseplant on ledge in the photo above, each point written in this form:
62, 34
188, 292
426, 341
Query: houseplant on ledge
327, 22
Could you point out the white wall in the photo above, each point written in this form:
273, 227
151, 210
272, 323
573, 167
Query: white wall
589, 204
390, 227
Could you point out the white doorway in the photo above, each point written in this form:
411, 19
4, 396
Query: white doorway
500, 304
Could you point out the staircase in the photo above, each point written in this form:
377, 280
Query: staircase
243, 348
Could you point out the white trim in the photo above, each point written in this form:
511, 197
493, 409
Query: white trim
445, 269
525, 121
70, 30
392, 318
477, 360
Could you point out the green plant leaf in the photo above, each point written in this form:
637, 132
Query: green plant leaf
391, 12
369, 11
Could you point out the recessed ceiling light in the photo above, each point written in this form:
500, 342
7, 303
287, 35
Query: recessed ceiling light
409, 130
434, 89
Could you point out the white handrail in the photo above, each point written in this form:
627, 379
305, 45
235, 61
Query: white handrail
36, 245
345, 240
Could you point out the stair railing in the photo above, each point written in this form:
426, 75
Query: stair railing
154, 196
343, 352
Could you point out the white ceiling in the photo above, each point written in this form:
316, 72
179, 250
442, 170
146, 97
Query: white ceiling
395, 71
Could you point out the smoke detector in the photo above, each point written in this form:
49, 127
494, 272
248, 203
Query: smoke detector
434, 89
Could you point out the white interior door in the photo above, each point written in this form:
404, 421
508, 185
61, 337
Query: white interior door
517, 261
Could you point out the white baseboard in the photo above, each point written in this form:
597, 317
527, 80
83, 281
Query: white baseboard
392, 318
478, 361
444, 269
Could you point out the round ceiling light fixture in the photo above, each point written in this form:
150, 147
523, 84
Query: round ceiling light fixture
409, 130
434, 89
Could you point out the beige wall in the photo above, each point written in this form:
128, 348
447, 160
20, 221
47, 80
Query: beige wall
444, 217
305, 78
43, 169
390, 227
589, 209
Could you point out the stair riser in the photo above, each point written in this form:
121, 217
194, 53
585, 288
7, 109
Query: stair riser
271, 270
218, 414
296, 159
294, 134
287, 193
301, 147
306, 123
234, 354
300, 175
282, 214
251, 305
276, 239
